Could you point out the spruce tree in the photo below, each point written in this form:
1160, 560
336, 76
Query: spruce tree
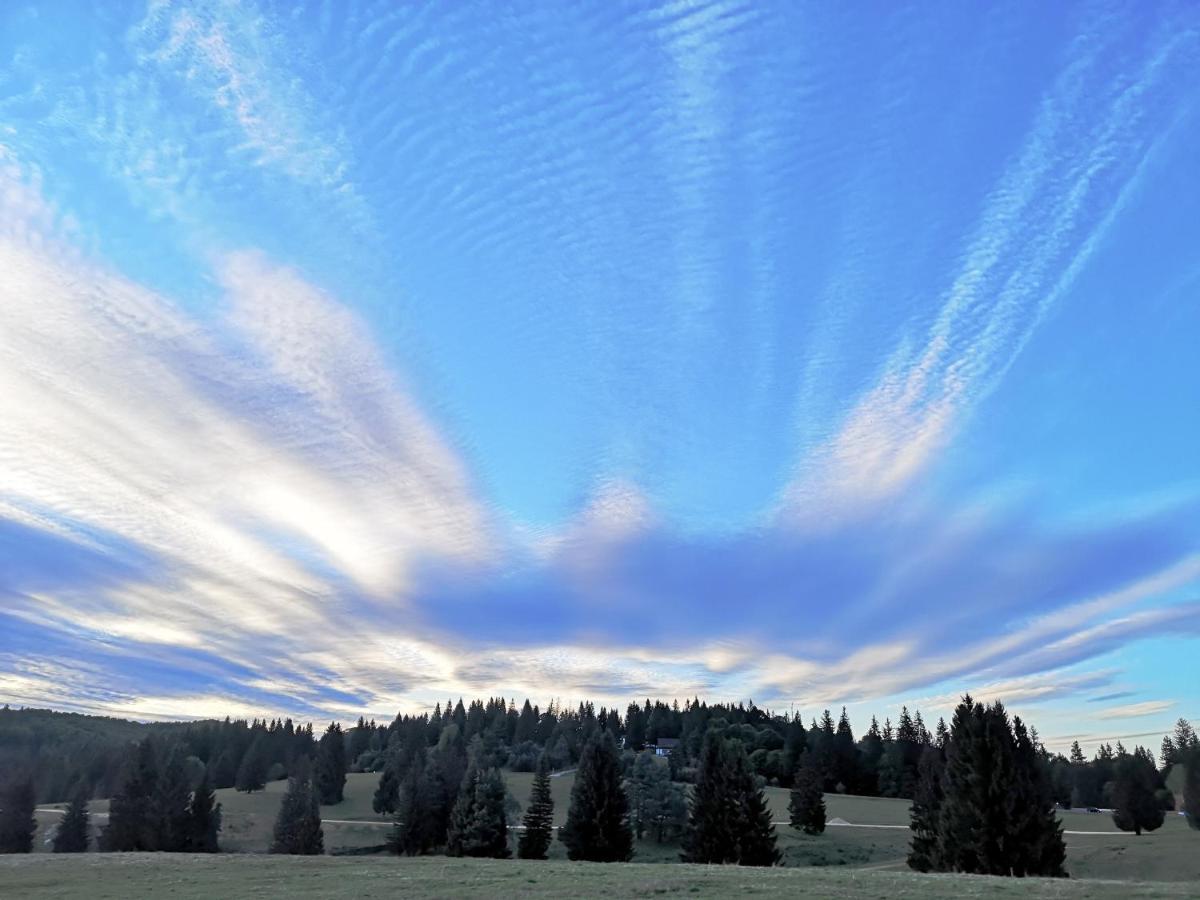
131, 821
252, 773
169, 805
756, 834
539, 816
329, 773
488, 832
1035, 843
74, 831
1191, 788
923, 853
462, 816
407, 831
17, 823
1135, 808
807, 802
203, 820
597, 827
711, 837
298, 825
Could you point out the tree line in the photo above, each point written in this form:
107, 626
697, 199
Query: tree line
984, 790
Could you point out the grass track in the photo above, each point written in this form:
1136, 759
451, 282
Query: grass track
121, 876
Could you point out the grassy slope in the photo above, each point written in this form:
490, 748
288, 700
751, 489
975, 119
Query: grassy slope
104, 876
1171, 854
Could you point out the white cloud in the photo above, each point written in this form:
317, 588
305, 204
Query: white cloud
1136, 710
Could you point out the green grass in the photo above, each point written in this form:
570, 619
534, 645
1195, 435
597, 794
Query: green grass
120, 876
1171, 854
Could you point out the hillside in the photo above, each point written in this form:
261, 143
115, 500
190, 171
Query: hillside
876, 838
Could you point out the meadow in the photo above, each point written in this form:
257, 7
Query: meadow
1095, 848
119, 876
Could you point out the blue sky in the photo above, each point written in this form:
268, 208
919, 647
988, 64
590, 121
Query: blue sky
353, 356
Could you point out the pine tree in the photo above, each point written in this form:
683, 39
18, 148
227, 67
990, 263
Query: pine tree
387, 795
923, 853
74, 831
17, 823
407, 837
1135, 808
539, 816
203, 820
131, 823
597, 827
329, 772
252, 773
807, 802
298, 825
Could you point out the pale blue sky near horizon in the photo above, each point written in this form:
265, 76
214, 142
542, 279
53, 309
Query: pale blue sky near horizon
357, 355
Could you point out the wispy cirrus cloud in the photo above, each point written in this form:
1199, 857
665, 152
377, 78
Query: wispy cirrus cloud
1036, 231
1136, 710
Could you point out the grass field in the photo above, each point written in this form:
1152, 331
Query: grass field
1171, 854
120, 876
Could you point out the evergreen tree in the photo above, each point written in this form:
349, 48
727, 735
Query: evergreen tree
329, 772
711, 836
169, 805
1034, 842
223, 772
387, 795
252, 773
131, 822
729, 821
756, 834
408, 835
1191, 788
462, 816
923, 853
597, 827
298, 825
74, 831
17, 824
807, 802
655, 801
203, 820
539, 816
488, 832
1135, 808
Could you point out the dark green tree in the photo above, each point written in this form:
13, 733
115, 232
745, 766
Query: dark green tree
1191, 788
252, 772
597, 827
756, 834
17, 824
923, 853
329, 772
462, 816
807, 802
1034, 844
711, 835
74, 831
131, 820
203, 819
1135, 808
655, 801
408, 834
169, 804
487, 835
539, 816
298, 825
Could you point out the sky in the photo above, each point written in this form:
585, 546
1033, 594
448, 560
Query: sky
354, 356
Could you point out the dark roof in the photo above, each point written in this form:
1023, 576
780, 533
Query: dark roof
668, 743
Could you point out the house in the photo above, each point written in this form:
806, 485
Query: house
665, 746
